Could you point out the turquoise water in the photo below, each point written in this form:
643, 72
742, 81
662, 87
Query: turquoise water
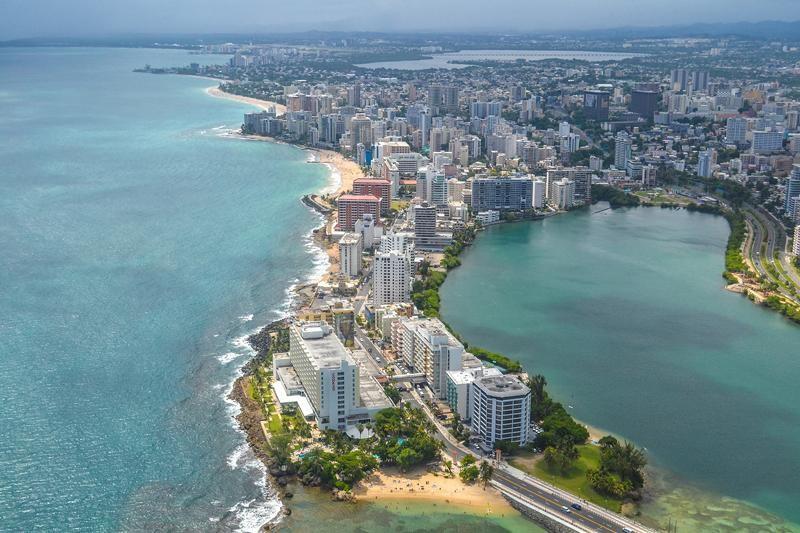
625, 314
137, 247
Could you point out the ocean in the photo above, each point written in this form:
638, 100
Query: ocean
139, 245
625, 313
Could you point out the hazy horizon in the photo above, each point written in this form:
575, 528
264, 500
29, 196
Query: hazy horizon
103, 18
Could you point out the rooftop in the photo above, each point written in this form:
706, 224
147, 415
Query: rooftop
502, 386
324, 348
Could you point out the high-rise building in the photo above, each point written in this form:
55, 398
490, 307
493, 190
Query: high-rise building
354, 95
736, 130
351, 247
563, 194
361, 130
796, 241
435, 98
595, 105
375, 187
500, 193
500, 410
645, 103
352, 207
570, 143
485, 109
435, 352
765, 142
792, 191
391, 278
564, 129
705, 163
451, 94
622, 150
326, 370
538, 192
424, 220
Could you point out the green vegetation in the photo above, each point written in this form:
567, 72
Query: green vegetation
402, 436
615, 197
559, 429
620, 473
792, 312
496, 359
469, 469
392, 392
330, 470
574, 479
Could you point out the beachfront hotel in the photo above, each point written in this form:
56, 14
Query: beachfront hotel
339, 392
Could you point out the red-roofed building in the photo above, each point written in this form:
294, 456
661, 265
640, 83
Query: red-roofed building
375, 187
352, 207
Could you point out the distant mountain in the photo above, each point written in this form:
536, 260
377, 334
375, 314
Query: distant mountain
768, 29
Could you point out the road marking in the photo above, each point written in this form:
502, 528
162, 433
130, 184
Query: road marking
514, 481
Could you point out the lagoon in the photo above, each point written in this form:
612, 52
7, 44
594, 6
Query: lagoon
625, 313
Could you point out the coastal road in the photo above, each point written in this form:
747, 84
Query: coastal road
767, 234
541, 494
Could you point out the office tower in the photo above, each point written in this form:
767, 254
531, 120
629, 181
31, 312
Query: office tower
644, 103
595, 105
622, 150
500, 410
563, 129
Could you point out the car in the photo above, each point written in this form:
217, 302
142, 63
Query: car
576, 506
565, 509
627, 530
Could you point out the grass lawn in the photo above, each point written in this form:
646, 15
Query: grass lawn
275, 423
399, 205
574, 480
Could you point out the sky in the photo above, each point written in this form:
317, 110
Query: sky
89, 18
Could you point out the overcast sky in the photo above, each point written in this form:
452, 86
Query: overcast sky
51, 18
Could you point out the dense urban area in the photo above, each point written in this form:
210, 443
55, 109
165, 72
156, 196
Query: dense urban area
365, 373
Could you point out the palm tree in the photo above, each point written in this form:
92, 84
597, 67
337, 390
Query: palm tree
448, 467
485, 473
360, 428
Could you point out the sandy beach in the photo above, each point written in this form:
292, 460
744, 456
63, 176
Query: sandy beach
264, 105
390, 484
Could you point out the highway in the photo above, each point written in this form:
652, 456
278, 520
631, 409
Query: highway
770, 235
589, 518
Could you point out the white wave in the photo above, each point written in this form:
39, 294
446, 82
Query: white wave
253, 514
246, 318
334, 179
236, 455
228, 357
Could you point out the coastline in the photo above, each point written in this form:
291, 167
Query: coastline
383, 485
264, 105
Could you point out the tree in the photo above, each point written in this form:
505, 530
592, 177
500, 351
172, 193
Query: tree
448, 467
561, 457
469, 474
485, 473
279, 448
